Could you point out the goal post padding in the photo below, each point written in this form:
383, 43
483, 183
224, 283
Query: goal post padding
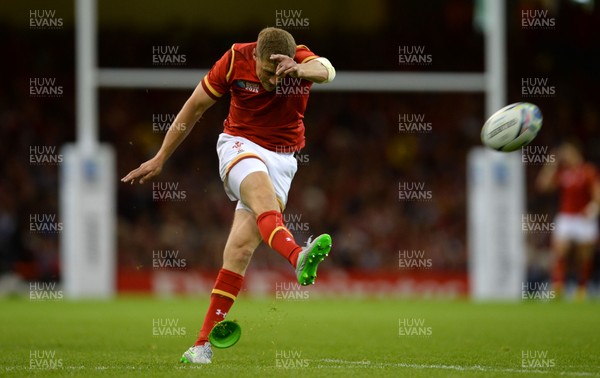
88, 212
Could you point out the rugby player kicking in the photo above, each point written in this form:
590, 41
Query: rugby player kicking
262, 131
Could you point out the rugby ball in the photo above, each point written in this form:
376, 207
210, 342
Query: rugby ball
512, 127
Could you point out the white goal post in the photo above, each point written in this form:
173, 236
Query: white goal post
345, 81
81, 267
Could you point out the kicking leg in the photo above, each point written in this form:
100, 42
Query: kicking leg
257, 193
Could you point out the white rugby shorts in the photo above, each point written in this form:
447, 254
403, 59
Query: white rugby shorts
576, 228
239, 157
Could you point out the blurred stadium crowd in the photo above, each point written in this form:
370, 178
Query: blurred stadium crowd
355, 158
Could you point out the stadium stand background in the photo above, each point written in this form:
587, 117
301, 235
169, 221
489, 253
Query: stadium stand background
349, 186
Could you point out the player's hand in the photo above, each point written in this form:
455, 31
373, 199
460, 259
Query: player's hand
591, 210
144, 172
286, 66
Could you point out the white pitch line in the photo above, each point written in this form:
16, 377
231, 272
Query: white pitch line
457, 367
331, 363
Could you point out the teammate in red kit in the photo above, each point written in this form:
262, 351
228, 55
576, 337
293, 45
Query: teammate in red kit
269, 82
576, 222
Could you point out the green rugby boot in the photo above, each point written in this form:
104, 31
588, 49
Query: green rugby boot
310, 258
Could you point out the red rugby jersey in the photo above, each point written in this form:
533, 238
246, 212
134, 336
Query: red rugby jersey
576, 187
273, 120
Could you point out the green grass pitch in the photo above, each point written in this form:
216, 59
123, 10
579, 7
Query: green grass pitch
144, 337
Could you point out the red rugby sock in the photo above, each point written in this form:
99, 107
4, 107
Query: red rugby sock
226, 289
277, 236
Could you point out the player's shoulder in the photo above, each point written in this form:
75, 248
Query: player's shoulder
302, 48
244, 49
304, 54
240, 54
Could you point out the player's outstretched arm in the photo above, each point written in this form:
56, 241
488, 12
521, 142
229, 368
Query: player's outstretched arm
189, 114
318, 70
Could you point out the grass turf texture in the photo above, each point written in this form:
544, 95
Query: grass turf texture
327, 337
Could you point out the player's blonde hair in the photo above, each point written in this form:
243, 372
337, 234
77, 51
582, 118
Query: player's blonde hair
274, 41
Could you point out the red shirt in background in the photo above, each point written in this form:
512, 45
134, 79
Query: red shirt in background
576, 185
273, 120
